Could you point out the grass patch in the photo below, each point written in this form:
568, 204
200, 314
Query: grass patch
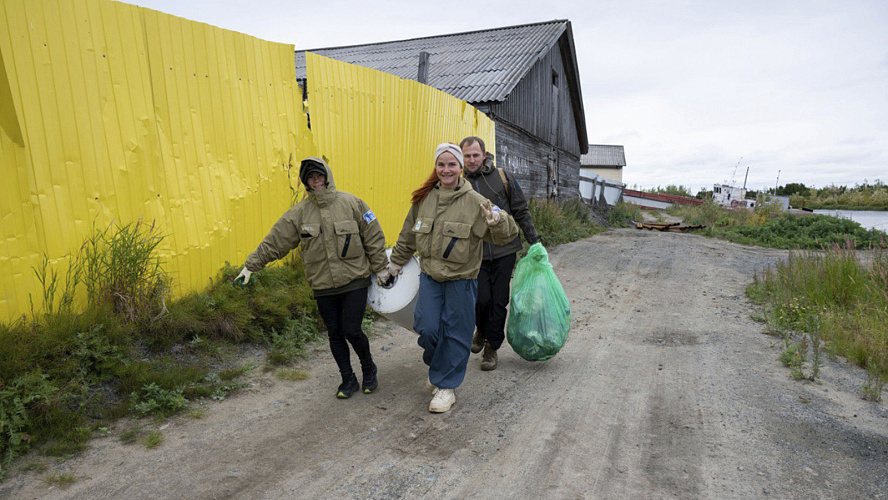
152, 440
292, 375
105, 340
62, 480
825, 303
130, 436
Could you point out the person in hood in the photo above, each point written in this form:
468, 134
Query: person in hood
342, 244
498, 263
446, 225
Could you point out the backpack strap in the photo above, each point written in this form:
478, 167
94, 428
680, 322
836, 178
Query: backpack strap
502, 174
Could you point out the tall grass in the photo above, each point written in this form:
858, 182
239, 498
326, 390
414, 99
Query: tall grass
624, 214
831, 297
562, 222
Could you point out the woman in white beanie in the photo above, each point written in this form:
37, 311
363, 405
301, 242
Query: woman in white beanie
446, 225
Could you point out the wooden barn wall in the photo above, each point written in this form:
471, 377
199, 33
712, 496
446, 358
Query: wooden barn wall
530, 106
527, 158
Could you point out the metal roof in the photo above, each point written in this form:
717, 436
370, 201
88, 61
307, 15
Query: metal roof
478, 66
604, 156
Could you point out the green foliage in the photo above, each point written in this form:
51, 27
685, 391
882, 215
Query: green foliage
561, 222
17, 402
152, 399
810, 231
290, 343
767, 225
623, 215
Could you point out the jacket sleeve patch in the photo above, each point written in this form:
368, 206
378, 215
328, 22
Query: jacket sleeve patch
369, 217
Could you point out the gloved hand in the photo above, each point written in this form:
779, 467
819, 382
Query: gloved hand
243, 279
393, 269
491, 212
383, 276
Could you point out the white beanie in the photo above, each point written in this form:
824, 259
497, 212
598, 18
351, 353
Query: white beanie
446, 147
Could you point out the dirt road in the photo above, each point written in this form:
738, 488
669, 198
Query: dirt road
666, 389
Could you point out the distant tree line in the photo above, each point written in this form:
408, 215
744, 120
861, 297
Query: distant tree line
869, 196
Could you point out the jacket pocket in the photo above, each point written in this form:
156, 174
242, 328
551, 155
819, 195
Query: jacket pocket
348, 240
456, 242
423, 231
312, 243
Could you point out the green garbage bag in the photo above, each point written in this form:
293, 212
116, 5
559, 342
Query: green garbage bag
539, 313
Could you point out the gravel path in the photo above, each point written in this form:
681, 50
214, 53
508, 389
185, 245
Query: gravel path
666, 389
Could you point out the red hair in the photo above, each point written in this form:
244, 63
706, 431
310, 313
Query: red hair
424, 190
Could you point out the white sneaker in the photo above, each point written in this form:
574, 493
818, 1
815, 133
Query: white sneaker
443, 400
431, 387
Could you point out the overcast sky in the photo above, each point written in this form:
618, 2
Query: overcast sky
688, 87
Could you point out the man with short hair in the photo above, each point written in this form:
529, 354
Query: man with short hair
499, 260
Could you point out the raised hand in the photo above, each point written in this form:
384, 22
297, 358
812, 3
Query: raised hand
491, 213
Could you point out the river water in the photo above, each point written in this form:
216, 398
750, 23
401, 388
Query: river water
867, 218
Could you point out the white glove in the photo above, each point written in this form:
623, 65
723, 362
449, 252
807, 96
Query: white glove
243, 278
492, 213
383, 276
393, 269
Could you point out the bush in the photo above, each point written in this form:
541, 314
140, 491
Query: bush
557, 223
624, 214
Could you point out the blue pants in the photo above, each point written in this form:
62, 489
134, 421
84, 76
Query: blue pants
445, 320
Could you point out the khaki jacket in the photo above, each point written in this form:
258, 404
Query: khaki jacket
341, 239
447, 229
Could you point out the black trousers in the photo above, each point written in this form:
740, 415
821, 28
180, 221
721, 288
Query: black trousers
343, 314
493, 297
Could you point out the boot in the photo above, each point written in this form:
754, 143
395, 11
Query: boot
488, 358
370, 382
477, 342
348, 387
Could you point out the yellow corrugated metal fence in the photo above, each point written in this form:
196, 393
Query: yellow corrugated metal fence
111, 112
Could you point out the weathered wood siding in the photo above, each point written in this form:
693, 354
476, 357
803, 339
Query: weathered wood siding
529, 159
531, 105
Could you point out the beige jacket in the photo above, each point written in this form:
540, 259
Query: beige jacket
447, 229
341, 239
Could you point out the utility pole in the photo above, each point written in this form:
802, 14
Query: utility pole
777, 183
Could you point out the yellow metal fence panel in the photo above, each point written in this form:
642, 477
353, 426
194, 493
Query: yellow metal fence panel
379, 132
111, 112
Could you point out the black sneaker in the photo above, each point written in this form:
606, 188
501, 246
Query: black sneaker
347, 388
370, 382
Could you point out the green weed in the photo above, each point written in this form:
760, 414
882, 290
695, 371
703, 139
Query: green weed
152, 440
292, 375
153, 399
62, 480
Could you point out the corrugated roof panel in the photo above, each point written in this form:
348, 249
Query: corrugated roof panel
478, 66
604, 155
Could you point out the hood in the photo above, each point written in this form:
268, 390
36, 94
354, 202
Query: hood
306, 165
487, 167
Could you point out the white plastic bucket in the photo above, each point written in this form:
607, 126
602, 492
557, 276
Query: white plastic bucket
397, 302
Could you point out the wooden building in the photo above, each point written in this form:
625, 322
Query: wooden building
604, 160
524, 77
